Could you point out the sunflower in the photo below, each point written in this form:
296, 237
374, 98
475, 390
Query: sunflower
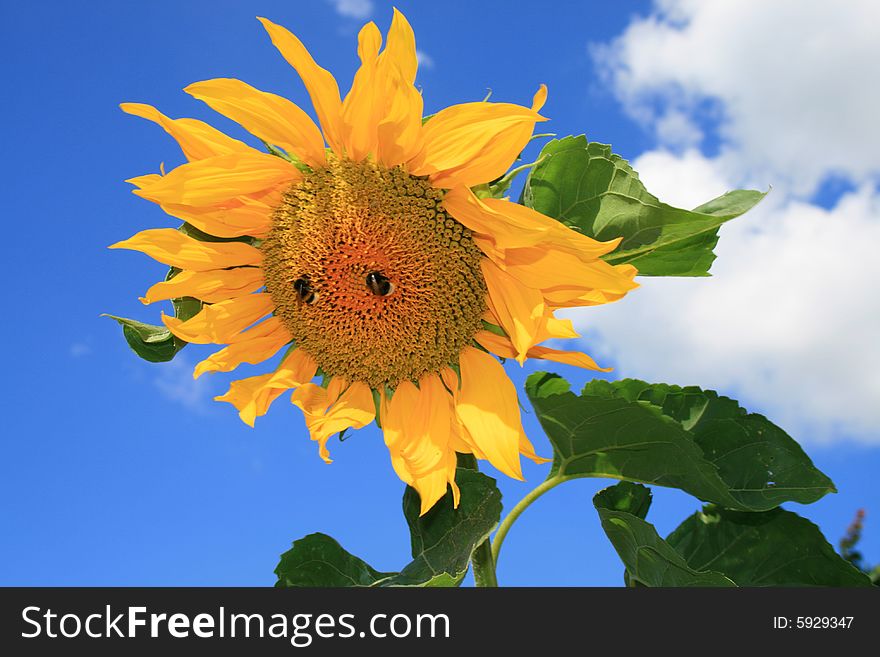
363, 248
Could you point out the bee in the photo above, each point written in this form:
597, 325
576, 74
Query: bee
304, 290
379, 284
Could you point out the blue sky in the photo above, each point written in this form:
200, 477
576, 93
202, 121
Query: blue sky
116, 471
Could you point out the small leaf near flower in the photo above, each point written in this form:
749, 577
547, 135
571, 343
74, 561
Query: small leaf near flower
596, 192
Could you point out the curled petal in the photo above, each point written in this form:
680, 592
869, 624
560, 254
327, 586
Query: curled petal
172, 247
488, 408
209, 286
221, 323
519, 309
253, 346
328, 412
418, 426
502, 346
253, 396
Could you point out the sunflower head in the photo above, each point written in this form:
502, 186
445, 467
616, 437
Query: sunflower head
361, 248
371, 276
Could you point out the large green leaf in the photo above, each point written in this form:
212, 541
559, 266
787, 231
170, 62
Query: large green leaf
443, 541
590, 189
680, 438
760, 463
444, 538
774, 548
649, 560
318, 560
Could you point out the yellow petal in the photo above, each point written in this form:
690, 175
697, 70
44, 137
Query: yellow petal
418, 424
172, 247
400, 51
272, 118
505, 232
197, 139
450, 379
220, 179
362, 105
501, 346
519, 308
221, 323
209, 286
575, 358
557, 328
319, 82
558, 235
564, 277
253, 396
487, 407
244, 216
474, 143
327, 415
253, 346
399, 130
539, 98
399, 133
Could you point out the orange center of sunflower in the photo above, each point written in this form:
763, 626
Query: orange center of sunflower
370, 276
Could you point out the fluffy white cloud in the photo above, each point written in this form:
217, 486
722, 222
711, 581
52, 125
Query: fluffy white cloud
176, 383
425, 60
789, 321
791, 83
353, 8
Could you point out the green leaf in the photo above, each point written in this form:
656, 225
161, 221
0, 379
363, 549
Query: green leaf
442, 543
649, 560
444, 538
760, 463
590, 189
318, 560
628, 497
774, 548
153, 343
682, 438
156, 343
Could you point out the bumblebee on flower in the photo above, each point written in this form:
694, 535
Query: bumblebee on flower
361, 249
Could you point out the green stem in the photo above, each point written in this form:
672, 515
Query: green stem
516, 511
481, 559
484, 565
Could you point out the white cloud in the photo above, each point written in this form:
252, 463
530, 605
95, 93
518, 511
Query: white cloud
176, 383
79, 349
789, 321
425, 60
359, 9
793, 81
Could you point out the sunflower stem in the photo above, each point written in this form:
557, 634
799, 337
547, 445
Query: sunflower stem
484, 566
515, 512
